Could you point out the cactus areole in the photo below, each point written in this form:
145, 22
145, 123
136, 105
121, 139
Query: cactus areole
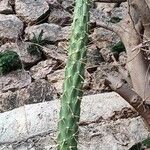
74, 77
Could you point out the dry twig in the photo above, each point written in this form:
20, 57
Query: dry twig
130, 96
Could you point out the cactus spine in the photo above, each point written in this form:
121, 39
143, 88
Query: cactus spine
74, 78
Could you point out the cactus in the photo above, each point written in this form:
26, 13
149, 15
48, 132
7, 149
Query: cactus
74, 77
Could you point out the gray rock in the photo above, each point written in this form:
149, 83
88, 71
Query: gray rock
63, 46
27, 58
52, 2
104, 38
59, 16
43, 68
5, 7
52, 51
36, 124
67, 4
94, 57
121, 11
64, 33
105, 7
21, 48
10, 27
30, 10
107, 54
104, 12
98, 15
51, 31
99, 76
14, 80
57, 79
113, 135
6, 147
38, 91
8, 101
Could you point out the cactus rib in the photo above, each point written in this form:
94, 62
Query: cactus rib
74, 77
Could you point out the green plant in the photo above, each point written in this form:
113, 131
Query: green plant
115, 19
118, 47
145, 144
37, 42
74, 78
9, 61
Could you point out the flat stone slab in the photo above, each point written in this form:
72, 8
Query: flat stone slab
32, 120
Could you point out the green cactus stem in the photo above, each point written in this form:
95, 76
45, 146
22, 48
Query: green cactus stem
74, 78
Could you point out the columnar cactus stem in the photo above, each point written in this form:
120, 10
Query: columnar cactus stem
74, 78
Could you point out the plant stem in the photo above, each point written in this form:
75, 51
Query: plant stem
74, 78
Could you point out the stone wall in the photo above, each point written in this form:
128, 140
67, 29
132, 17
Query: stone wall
107, 121
41, 76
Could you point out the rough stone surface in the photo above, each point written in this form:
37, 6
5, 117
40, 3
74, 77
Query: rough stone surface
5, 7
121, 11
106, 8
52, 51
104, 12
35, 125
31, 10
59, 16
103, 37
43, 68
97, 15
8, 101
38, 91
68, 4
106, 54
114, 135
99, 76
64, 33
57, 79
10, 27
94, 57
63, 45
51, 31
14, 80
21, 49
